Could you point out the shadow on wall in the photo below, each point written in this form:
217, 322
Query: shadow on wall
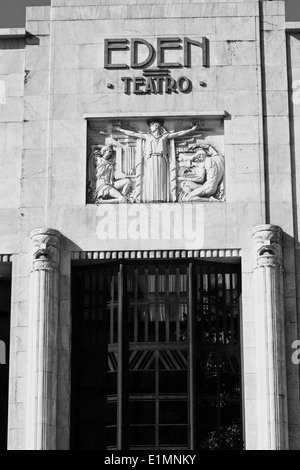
294, 101
69, 245
19, 43
291, 266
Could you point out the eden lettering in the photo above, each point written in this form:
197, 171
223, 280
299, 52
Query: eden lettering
160, 53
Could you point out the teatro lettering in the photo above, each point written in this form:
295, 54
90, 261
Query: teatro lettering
141, 54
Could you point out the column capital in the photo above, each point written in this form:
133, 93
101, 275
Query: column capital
267, 245
45, 248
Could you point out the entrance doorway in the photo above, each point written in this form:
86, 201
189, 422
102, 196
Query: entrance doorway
156, 357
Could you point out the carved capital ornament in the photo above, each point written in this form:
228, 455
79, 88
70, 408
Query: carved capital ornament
45, 249
267, 246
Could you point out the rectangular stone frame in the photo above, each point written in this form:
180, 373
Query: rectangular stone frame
107, 117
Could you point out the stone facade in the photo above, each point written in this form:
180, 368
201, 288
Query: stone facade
56, 86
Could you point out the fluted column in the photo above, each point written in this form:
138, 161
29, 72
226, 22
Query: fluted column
42, 347
270, 338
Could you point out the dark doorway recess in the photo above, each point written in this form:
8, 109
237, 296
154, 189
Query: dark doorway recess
156, 356
5, 293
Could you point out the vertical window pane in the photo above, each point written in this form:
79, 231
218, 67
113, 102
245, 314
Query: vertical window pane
173, 412
218, 374
94, 364
173, 436
157, 303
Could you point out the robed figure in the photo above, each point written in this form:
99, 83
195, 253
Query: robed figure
156, 169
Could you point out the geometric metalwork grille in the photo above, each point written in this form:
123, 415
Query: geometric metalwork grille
156, 361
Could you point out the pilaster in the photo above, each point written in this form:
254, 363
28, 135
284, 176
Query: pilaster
42, 348
270, 338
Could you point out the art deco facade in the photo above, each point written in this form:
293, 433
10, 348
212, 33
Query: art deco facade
149, 226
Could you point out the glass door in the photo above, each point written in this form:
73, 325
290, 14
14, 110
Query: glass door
157, 334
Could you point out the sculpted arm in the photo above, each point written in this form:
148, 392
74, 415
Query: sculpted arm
137, 135
182, 133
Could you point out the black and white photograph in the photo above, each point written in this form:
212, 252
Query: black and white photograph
149, 227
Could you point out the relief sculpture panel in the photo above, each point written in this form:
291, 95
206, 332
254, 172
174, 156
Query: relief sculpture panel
155, 161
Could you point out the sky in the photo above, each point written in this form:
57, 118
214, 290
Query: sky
12, 12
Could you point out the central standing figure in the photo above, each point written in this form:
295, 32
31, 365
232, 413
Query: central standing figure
156, 159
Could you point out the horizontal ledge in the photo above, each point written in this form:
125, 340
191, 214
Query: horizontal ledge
5, 258
193, 114
292, 26
155, 254
12, 33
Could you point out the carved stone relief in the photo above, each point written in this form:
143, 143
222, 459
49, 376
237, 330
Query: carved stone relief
155, 161
267, 245
45, 248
